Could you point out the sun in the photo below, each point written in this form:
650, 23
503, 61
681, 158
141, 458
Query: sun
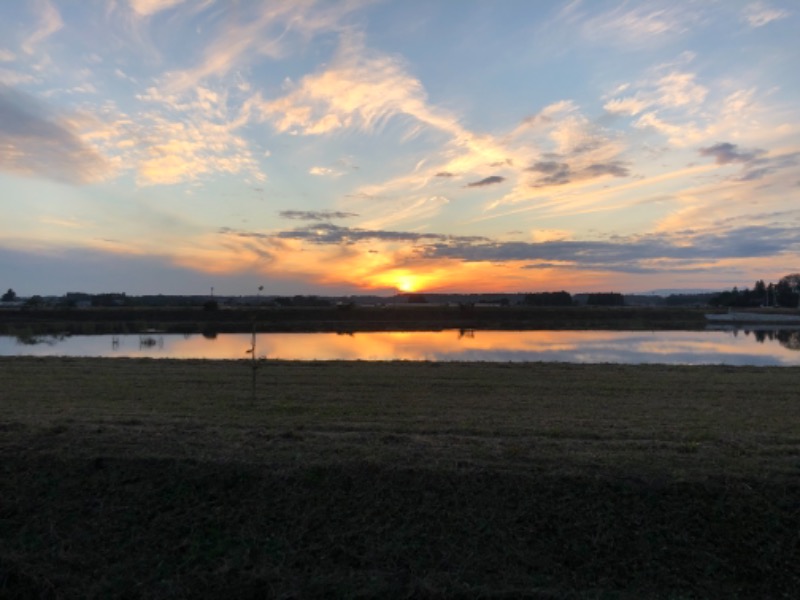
402, 280
407, 283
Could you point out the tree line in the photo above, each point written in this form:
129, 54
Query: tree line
785, 293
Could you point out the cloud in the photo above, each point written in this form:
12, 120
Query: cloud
38, 144
330, 234
11, 77
560, 173
260, 29
444, 174
173, 139
642, 25
418, 210
49, 22
324, 172
147, 8
759, 14
492, 180
679, 89
756, 164
361, 89
631, 105
674, 90
315, 215
629, 254
6, 55
615, 169
725, 152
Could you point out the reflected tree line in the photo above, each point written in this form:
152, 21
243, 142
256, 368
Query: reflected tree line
789, 339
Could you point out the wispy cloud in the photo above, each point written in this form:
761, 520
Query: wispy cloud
49, 22
260, 30
491, 180
675, 89
361, 89
316, 215
330, 234
759, 14
630, 24
147, 8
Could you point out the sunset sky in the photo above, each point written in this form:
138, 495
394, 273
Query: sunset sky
359, 146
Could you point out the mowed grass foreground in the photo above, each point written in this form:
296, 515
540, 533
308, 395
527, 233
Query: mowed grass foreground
168, 479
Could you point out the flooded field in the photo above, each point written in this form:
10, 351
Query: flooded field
731, 347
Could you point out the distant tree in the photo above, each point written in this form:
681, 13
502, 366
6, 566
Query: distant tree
606, 299
785, 293
9, 296
787, 290
690, 299
548, 299
793, 279
416, 299
109, 299
760, 290
210, 305
34, 302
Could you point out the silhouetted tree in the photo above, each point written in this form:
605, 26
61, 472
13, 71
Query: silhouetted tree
34, 302
548, 299
786, 291
9, 296
760, 291
606, 299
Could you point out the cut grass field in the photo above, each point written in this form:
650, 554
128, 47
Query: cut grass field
167, 479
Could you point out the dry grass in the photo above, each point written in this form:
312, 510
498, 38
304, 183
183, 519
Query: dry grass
154, 478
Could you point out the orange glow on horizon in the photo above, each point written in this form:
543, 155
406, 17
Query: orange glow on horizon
389, 267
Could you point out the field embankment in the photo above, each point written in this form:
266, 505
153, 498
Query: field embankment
344, 318
159, 478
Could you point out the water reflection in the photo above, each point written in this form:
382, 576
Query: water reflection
735, 347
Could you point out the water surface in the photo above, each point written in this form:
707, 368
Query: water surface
628, 347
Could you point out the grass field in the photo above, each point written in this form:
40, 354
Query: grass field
168, 479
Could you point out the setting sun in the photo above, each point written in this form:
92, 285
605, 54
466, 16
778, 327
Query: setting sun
407, 283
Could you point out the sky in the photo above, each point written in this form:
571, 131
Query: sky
374, 147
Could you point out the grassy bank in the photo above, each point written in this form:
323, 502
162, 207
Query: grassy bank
145, 478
